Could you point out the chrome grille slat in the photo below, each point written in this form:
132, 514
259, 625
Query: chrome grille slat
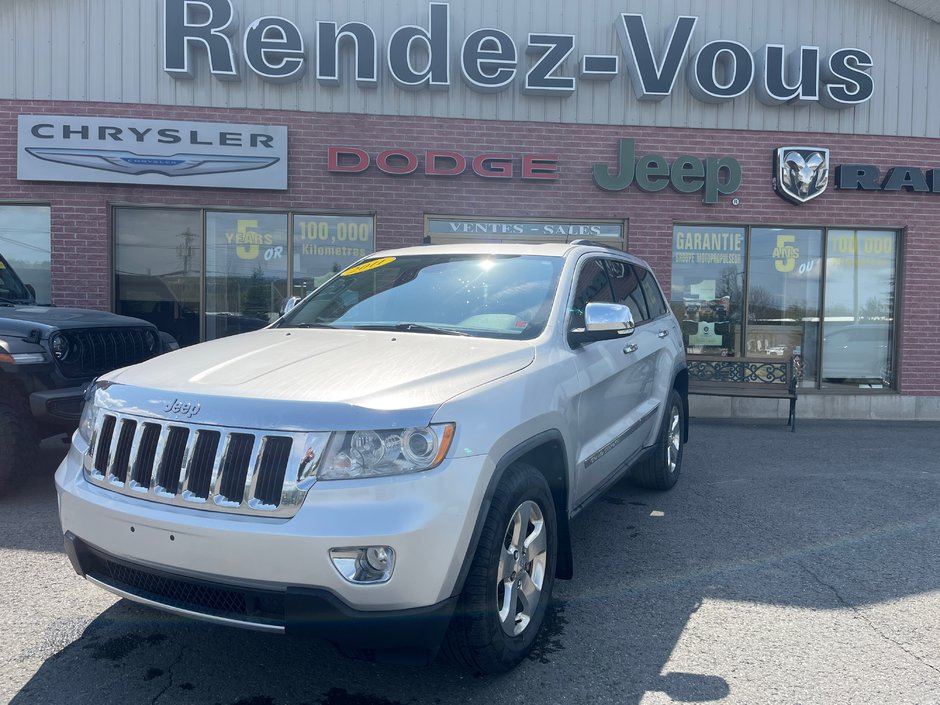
190, 448
144, 455
199, 469
118, 464
255, 468
168, 474
275, 457
158, 456
105, 447
132, 456
235, 470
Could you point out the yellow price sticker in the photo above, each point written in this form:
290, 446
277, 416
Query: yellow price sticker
367, 266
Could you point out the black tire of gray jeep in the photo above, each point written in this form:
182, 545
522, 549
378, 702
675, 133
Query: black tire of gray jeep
661, 470
493, 601
12, 443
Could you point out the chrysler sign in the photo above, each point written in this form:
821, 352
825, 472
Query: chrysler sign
158, 152
427, 56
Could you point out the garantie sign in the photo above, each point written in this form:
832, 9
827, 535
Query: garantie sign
490, 60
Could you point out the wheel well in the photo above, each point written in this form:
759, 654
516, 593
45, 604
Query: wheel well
549, 459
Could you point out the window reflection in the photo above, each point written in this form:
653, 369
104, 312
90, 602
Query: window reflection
707, 290
846, 342
158, 263
326, 244
246, 271
25, 236
783, 296
859, 320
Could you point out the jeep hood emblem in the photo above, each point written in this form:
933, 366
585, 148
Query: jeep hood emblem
181, 408
801, 173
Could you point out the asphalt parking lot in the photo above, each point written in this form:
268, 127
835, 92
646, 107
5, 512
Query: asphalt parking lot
784, 568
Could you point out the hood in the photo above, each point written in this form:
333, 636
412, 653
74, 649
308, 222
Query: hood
22, 319
372, 369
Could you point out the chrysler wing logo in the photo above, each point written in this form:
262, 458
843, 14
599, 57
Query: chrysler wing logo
801, 173
134, 164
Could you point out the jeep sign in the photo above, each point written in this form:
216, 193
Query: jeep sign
687, 174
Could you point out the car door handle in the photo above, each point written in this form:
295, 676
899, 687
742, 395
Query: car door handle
663, 333
629, 349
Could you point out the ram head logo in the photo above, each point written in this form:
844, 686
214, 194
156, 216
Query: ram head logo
801, 173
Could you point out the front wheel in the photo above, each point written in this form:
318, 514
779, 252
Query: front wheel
509, 585
661, 471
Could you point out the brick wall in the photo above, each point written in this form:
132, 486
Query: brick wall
81, 248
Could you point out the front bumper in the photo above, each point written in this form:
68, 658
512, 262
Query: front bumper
123, 543
294, 610
58, 406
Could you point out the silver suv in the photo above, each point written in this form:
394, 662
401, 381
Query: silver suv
393, 464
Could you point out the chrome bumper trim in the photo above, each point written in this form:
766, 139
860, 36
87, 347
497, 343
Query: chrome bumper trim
225, 621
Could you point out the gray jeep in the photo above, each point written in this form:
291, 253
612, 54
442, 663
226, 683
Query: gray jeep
48, 355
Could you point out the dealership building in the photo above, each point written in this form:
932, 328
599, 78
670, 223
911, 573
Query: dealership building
197, 162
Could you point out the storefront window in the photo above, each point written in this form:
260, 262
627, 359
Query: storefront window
857, 346
158, 265
246, 271
325, 244
25, 236
784, 268
846, 342
707, 277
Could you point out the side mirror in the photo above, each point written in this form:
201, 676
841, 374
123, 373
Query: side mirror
289, 304
32, 291
603, 322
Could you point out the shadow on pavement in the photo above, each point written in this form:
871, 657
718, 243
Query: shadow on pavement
836, 517
31, 498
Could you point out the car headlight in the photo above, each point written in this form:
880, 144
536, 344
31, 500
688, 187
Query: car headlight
390, 452
60, 346
151, 340
86, 424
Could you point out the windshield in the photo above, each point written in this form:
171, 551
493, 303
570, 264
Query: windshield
11, 288
479, 295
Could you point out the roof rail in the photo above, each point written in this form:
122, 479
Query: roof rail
594, 243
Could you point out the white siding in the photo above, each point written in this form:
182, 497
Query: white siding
111, 51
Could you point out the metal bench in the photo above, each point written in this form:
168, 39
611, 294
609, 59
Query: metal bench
745, 377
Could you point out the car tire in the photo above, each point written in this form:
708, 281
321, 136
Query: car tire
508, 587
661, 470
12, 442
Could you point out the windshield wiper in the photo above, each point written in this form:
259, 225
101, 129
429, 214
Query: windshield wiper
412, 328
8, 302
308, 325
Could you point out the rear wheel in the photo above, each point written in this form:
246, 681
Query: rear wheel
661, 471
509, 585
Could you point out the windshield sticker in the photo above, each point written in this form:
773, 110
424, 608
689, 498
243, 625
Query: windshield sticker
366, 266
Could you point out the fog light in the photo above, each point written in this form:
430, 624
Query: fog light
364, 564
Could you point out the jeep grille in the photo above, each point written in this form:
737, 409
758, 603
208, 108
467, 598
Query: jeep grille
203, 467
96, 351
